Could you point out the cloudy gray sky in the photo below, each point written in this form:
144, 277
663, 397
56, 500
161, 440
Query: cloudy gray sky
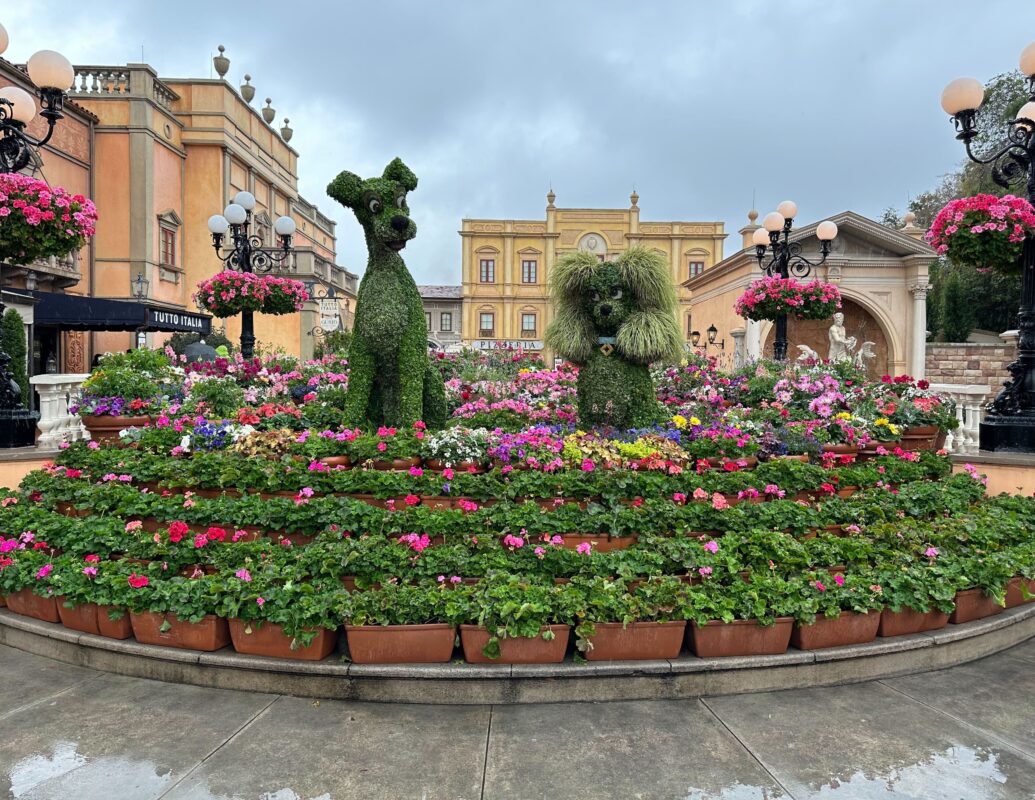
699, 104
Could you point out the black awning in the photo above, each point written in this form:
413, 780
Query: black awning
71, 312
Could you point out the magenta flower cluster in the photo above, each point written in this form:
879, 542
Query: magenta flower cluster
769, 297
232, 292
984, 231
38, 221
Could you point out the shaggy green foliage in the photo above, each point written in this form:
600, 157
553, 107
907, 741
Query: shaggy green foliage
613, 319
391, 381
14, 345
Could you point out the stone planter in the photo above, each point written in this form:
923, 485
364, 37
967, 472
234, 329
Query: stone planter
636, 641
105, 429
208, 634
401, 644
847, 628
972, 604
268, 639
907, 621
27, 604
517, 650
742, 637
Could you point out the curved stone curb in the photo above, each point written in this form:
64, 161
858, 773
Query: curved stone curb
470, 684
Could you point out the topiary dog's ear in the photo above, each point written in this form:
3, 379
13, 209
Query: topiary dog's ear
346, 189
402, 174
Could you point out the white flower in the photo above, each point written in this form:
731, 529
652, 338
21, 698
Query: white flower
185, 442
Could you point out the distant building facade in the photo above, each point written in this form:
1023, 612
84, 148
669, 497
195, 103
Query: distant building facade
506, 264
443, 313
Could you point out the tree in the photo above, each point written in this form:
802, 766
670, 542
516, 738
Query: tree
957, 312
13, 336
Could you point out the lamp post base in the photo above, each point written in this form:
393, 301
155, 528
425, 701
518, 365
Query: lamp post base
17, 428
1008, 434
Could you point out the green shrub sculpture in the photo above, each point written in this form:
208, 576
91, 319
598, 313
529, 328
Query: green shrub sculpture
392, 381
613, 319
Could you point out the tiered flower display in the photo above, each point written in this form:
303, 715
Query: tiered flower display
231, 292
983, 231
38, 221
769, 297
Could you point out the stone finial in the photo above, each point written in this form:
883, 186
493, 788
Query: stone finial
909, 218
269, 113
633, 199
550, 197
221, 63
752, 217
286, 133
247, 90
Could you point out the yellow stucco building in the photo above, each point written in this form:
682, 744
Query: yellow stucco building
506, 264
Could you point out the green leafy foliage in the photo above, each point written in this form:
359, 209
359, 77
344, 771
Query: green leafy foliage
12, 342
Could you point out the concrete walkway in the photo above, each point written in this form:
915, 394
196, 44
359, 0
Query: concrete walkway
68, 733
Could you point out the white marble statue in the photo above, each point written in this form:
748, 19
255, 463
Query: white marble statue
865, 353
808, 354
841, 345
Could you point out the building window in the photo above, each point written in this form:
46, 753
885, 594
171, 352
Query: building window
445, 321
168, 247
696, 268
487, 273
528, 270
486, 325
427, 319
528, 326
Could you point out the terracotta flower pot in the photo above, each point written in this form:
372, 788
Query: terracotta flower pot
105, 429
742, 637
27, 604
1014, 596
437, 502
435, 465
120, 628
923, 437
208, 634
3, 601
337, 461
847, 491
401, 644
907, 621
841, 449
518, 650
269, 639
800, 457
600, 542
636, 641
848, 628
79, 618
972, 604
395, 463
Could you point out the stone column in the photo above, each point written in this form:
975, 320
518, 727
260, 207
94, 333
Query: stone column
918, 337
739, 356
753, 340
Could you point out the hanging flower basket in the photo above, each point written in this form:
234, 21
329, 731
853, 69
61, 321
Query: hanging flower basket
983, 231
231, 292
37, 221
770, 297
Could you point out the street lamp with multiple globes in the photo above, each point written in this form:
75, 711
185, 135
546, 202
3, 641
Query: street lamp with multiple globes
247, 253
1010, 421
786, 260
53, 74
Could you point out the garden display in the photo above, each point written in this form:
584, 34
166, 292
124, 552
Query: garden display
392, 381
983, 231
613, 319
776, 505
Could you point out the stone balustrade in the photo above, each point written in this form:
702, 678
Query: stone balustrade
136, 80
970, 410
56, 424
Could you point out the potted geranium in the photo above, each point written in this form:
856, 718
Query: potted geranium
743, 618
389, 448
462, 449
983, 231
123, 391
773, 296
399, 624
837, 610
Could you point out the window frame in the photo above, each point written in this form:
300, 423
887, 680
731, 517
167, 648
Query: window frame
487, 270
483, 332
530, 270
442, 317
691, 273
529, 333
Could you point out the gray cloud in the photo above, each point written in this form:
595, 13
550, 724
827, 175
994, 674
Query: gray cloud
834, 104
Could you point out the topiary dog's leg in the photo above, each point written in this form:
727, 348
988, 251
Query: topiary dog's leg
434, 398
361, 381
413, 364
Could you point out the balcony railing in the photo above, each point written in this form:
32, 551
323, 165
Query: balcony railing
527, 334
970, 411
484, 333
136, 81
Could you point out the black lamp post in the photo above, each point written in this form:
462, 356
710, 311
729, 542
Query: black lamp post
786, 260
248, 253
713, 333
53, 74
1010, 422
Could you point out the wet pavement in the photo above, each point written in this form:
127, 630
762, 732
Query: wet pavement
966, 733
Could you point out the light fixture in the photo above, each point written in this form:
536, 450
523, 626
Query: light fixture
235, 214
140, 284
1027, 60
760, 237
284, 226
218, 224
788, 209
31, 281
245, 200
962, 94
50, 70
826, 231
773, 221
712, 333
695, 338
1027, 114
23, 107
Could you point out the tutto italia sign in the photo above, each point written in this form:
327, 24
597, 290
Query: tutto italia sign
508, 344
178, 321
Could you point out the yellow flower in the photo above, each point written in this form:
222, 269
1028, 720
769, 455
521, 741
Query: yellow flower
881, 422
893, 429
679, 421
843, 415
695, 421
524, 371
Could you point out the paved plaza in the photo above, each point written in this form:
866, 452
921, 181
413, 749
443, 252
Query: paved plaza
963, 733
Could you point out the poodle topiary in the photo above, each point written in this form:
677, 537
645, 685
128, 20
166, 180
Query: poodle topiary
391, 380
613, 319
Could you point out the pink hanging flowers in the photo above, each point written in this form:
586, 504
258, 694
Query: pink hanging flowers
769, 297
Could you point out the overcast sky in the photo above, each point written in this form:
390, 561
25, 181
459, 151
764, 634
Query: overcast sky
699, 104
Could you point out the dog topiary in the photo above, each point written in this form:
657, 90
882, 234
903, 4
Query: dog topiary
614, 318
391, 380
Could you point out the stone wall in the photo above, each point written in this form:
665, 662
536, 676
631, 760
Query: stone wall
974, 364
